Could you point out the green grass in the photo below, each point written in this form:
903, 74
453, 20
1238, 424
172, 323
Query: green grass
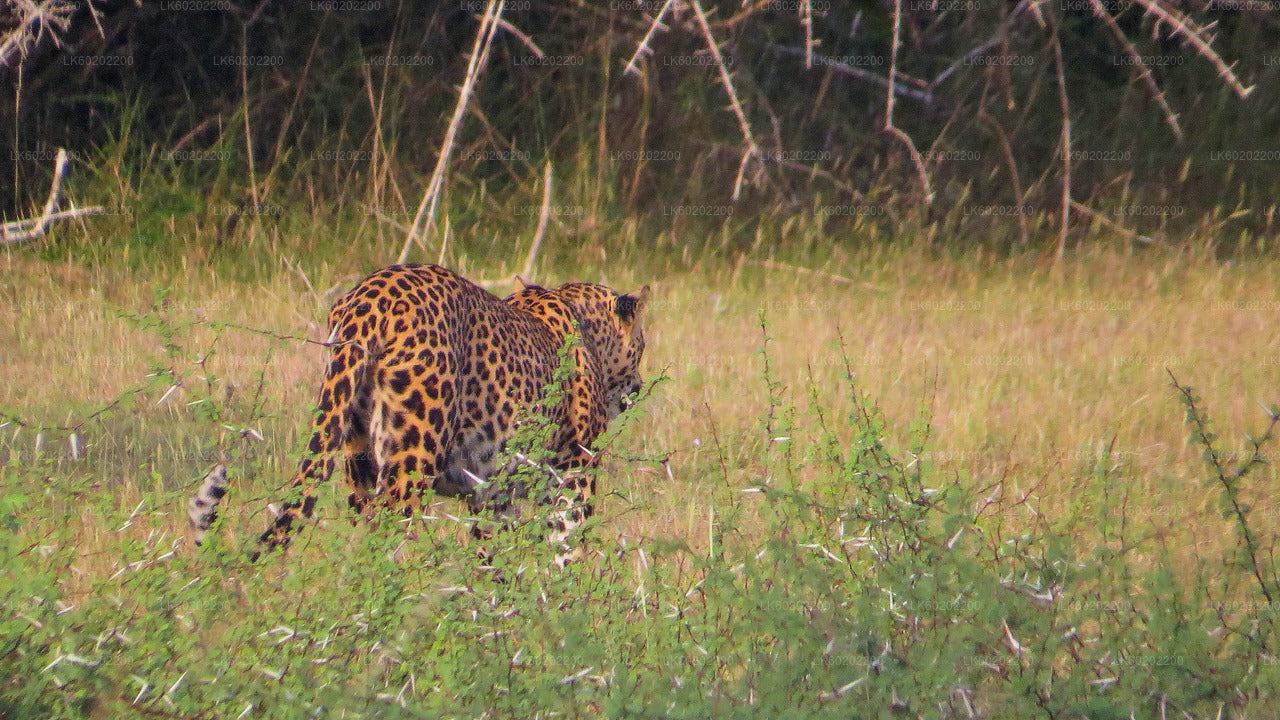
961, 483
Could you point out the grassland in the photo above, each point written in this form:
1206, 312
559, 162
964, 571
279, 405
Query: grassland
1034, 397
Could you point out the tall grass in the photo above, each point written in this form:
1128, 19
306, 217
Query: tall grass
937, 478
835, 568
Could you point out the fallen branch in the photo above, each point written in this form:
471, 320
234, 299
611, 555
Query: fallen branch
32, 228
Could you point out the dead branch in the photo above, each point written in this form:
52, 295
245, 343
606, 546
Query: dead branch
32, 228
888, 111
643, 47
1101, 13
924, 96
1182, 25
479, 57
36, 20
1065, 139
528, 41
838, 279
1111, 224
543, 217
806, 17
753, 151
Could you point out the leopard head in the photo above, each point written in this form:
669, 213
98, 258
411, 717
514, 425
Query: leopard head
611, 322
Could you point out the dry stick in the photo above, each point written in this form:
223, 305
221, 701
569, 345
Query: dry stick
444, 241
986, 117
1066, 140
1194, 35
182, 141
924, 96
390, 221
775, 265
17, 231
1111, 224
1143, 71
806, 17
543, 217
248, 134
383, 176
942, 76
35, 20
288, 117
376, 109
644, 42
528, 41
752, 149
479, 54
602, 147
888, 110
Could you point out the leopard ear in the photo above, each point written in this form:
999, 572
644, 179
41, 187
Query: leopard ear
521, 283
630, 306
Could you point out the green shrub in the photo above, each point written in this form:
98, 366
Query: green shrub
879, 588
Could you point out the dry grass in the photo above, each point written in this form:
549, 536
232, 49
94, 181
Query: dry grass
1038, 375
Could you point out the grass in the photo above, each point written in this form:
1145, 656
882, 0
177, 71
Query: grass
1046, 382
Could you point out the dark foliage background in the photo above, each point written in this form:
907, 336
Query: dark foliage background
322, 80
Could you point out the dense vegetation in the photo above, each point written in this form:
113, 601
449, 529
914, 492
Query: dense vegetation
893, 462
345, 104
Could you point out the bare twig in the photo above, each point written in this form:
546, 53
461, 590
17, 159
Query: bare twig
648, 36
1009, 160
248, 133
543, 217
32, 228
924, 96
888, 111
1140, 66
942, 76
191, 134
1065, 139
392, 221
775, 265
806, 17
278, 153
444, 241
479, 55
1195, 35
35, 21
528, 41
752, 149
1111, 224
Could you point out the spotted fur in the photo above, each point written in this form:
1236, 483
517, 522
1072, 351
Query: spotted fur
429, 375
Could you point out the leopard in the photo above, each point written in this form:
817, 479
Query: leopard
429, 375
